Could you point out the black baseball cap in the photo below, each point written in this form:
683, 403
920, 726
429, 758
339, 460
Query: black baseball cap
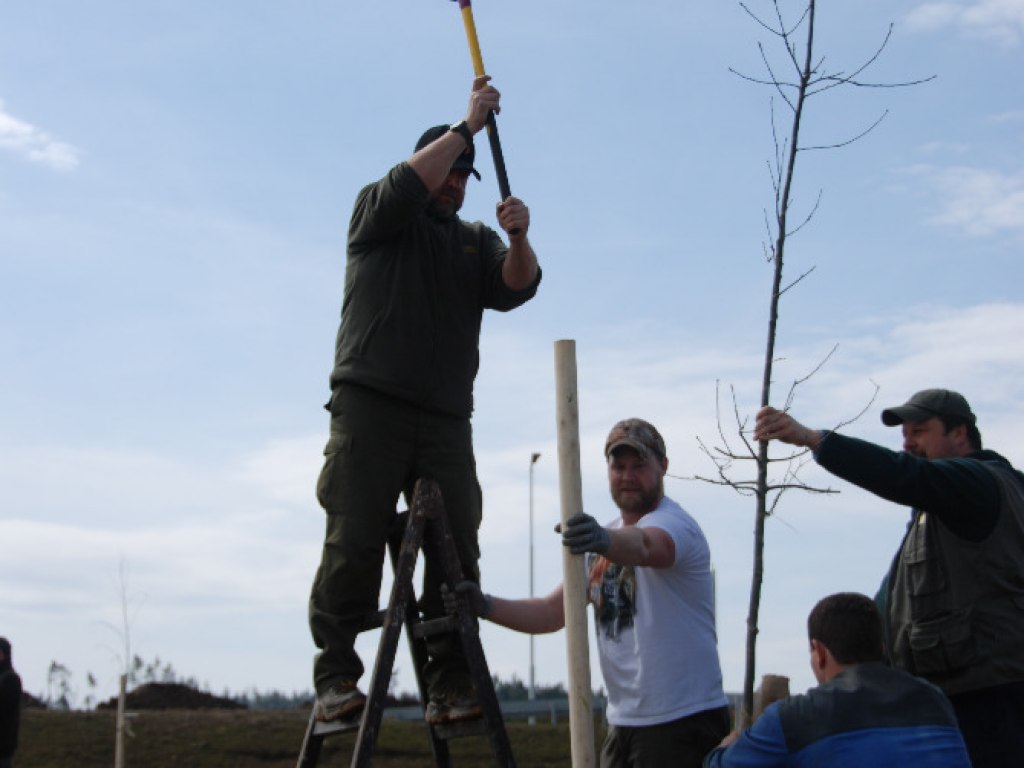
927, 404
462, 162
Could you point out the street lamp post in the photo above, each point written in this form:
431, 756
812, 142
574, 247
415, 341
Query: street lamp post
533, 460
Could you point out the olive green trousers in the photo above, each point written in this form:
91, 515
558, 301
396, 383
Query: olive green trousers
379, 446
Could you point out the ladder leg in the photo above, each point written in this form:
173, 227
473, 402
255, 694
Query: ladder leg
417, 644
398, 607
311, 743
443, 545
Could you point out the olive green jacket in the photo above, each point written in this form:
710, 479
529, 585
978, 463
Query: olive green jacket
415, 291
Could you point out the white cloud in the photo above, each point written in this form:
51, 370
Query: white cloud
978, 201
38, 146
1010, 117
999, 20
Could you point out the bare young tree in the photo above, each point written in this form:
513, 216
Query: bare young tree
125, 660
59, 693
795, 76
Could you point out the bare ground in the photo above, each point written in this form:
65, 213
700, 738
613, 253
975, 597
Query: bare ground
175, 738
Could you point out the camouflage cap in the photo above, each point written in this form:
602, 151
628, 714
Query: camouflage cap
927, 404
639, 435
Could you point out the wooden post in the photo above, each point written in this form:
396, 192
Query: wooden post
581, 711
773, 688
120, 725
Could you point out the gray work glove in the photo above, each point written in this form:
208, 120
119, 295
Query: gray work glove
584, 534
479, 603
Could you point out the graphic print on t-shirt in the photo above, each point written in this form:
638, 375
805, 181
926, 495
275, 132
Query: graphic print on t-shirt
612, 590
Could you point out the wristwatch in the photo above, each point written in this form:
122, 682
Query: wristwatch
462, 128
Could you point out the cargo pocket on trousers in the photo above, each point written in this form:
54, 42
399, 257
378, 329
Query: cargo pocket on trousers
943, 645
331, 485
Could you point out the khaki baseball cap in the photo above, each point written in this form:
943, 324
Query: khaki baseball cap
639, 435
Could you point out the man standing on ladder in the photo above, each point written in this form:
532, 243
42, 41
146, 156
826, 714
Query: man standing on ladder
417, 280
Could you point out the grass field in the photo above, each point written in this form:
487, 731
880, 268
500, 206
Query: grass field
257, 739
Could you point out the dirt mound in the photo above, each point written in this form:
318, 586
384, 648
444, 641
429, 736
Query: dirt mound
28, 701
171, 696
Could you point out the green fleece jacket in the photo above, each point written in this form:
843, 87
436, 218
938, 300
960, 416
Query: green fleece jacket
415, 291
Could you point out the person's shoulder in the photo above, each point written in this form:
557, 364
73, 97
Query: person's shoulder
670, 517
674, 510
994, 462
986, 465
477, 230
10, 680
400, 178
665, 511
903, 692
670, 505
891, 676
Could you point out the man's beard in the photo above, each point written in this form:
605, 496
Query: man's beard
643, 503
443, 209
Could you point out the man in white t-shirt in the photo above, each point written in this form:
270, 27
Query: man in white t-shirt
651, 587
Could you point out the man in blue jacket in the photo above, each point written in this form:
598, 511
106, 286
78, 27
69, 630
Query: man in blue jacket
863, 713
954, 595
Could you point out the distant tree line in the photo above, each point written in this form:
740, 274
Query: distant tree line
62, 693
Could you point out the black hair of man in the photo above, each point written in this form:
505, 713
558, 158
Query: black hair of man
949, 423
849, 625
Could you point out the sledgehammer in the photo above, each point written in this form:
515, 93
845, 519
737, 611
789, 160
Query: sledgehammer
492, 125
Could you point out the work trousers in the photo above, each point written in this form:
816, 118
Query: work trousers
379, 446
681, 743
990, 720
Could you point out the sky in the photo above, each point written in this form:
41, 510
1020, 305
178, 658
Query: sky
175, 185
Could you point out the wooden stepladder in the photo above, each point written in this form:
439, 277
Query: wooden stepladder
425, 525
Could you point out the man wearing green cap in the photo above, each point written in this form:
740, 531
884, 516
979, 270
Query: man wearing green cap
417, 280
954, 595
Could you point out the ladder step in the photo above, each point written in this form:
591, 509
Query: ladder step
374, 621
335, 726
430, 628
435, 627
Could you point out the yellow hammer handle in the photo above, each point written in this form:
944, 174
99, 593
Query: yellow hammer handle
474, 44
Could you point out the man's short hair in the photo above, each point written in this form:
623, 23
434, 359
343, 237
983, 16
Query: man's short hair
849, 625
950, 423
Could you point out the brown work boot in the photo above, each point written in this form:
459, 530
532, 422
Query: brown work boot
453, 704
341, 701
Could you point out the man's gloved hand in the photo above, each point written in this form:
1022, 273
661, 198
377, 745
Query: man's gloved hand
584, 534
479, 603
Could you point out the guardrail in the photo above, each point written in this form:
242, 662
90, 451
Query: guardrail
550, 709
